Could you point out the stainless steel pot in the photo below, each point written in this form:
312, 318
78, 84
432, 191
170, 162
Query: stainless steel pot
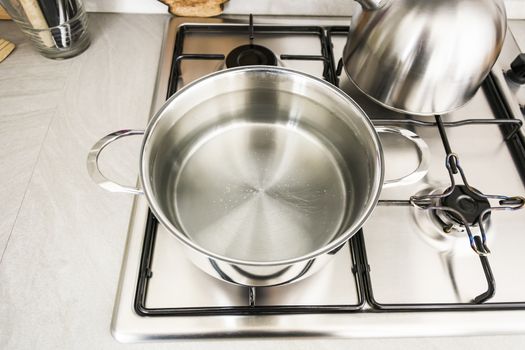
262, 173
424, 57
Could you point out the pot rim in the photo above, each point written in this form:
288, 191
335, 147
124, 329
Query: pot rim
343, 238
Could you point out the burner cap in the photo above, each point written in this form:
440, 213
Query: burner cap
247, 55
467, 202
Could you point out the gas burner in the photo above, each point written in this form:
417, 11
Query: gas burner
468, 203
250, 54
443, 230
464, 205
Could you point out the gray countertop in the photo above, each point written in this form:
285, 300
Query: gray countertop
61, 237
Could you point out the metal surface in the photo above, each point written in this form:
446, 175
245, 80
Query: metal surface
424, 57
338, 287
403, 266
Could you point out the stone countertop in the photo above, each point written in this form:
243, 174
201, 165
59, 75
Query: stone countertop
62, 237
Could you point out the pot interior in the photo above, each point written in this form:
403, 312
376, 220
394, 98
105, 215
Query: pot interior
274, 167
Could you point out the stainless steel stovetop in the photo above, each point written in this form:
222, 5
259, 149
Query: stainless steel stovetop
401, 276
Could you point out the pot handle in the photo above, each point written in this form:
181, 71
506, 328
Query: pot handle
94, 170
423, 151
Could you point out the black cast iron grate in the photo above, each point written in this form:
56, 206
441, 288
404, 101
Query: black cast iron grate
360, 267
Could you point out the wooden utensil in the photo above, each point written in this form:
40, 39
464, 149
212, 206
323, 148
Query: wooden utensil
36, 18
6, 47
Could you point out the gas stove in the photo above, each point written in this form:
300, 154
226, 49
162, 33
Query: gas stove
438, 256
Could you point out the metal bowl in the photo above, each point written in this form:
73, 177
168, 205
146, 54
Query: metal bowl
261, 172
424, 57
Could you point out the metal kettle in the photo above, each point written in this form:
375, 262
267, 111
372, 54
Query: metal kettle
423, 57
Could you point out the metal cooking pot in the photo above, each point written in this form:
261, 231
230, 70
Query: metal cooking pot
262, 173
423, 57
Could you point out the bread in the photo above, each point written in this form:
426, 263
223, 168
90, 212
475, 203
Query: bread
195, 8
